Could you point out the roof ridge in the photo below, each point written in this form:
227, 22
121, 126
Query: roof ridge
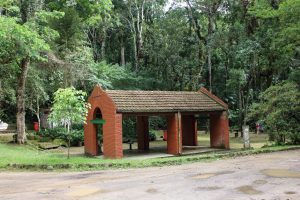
153, 91
213, 97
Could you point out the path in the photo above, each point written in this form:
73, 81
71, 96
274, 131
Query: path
266, 176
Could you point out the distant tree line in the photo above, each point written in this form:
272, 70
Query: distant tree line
238, 49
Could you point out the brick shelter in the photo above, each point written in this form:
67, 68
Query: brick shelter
179, 107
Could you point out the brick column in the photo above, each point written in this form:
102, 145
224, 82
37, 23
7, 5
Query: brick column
142, 130
219, 130
112, 141
189, 130
174, 140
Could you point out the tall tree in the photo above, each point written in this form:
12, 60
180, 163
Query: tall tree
22, 45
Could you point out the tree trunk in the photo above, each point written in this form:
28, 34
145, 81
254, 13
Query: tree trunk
211, 30
240, 112
140, 45
69, 138
122, 55
38, 111
103, 49
24, 65
209, 68
21, 136
135, 53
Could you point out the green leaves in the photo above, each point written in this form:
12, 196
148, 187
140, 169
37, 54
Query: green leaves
69, 106
279, 108
19, 41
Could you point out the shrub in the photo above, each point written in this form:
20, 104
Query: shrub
129, 130
152, 136
279, 109
59, 133
77, 126
77, 136
53, 133
158, 123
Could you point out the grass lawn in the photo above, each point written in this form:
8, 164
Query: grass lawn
29, 157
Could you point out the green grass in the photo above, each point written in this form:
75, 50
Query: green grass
28, 157
24, 158
11, 153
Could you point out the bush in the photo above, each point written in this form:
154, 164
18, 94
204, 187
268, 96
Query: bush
44, 139
77, 126
279, 109
53, 133
158, 123
129, 130
77, 137
47, 135
152, 136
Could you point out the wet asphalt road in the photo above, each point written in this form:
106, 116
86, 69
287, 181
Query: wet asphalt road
273, 176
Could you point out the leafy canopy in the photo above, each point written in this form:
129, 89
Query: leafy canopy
19, 41
279, 108
69, 106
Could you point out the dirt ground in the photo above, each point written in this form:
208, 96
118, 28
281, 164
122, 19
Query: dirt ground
274, 176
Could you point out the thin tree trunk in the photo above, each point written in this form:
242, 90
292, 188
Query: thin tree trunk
21, 136
201, 40
69, 139
103, 44
37, 113
211, 29
209, 68
122, 55
135, 53
240, 111
139, 28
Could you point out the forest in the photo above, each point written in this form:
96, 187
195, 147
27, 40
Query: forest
247, 52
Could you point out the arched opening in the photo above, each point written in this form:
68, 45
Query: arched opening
98, 126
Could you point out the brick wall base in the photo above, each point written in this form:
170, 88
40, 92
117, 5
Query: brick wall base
219, 130
142, 130
189, 130
174, 140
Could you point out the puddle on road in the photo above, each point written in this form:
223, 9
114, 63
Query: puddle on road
248, 189
281, 173
260, 182
209, 175
83, 175
290, 192
86, 192
152, 190
209, 188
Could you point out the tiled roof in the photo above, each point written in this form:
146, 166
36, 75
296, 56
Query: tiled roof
129, 101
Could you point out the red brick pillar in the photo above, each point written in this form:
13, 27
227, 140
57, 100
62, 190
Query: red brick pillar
142, 130
174, 139
219, 130
189, 130
112, 137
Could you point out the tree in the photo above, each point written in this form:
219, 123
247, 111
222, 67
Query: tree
20, 45
69, 107
238, 49
279, 109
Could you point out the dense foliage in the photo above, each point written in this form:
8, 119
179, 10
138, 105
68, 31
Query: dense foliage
237, 49
60, 136
279, 109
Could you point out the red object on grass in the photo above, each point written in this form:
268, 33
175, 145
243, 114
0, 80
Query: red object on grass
36, 126
165, 135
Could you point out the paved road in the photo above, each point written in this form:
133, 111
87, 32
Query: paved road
273, 176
